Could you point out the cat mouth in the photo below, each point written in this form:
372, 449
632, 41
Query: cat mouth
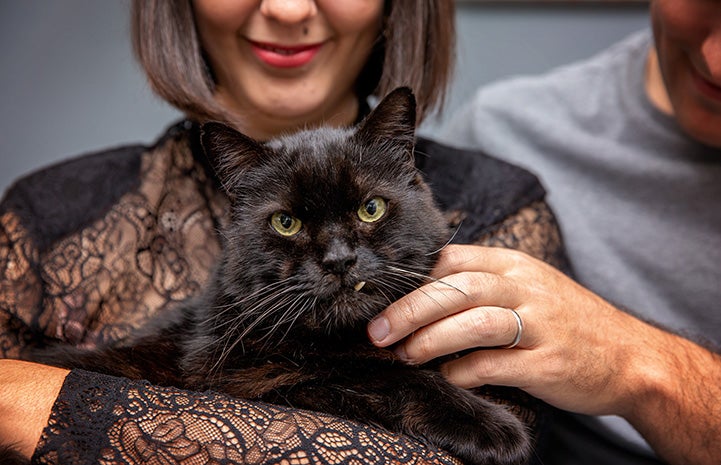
334, 287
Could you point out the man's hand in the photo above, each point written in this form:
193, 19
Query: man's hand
576, 350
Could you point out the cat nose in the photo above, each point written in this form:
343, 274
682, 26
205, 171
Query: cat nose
339, 258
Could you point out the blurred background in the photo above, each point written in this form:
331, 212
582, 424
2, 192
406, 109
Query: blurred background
69, 84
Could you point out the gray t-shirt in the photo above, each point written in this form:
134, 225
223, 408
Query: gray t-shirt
638, 202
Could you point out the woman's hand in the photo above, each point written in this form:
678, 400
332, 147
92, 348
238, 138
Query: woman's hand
27, 394
576, 351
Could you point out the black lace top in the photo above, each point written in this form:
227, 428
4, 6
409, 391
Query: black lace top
92, 247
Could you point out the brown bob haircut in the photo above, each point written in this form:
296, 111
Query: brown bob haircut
416, 49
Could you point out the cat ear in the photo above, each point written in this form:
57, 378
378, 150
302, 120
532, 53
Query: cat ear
232, 152
392, 121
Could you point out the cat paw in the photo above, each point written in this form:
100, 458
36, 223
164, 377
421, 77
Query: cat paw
499, 443
481, 434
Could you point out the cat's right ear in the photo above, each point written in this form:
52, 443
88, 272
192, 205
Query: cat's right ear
231, 152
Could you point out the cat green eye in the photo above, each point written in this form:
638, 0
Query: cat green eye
285, 224
372, 210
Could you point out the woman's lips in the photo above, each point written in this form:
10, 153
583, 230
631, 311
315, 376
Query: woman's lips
285, 56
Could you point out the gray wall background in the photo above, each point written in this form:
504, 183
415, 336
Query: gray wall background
69, 85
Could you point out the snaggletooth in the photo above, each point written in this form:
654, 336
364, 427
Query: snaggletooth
359, 286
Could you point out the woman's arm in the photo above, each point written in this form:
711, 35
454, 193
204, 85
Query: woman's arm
128, 422
96, 416
27, 394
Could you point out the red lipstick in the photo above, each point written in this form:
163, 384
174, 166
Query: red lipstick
284, 56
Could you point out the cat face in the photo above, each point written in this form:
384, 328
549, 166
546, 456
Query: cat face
328, 226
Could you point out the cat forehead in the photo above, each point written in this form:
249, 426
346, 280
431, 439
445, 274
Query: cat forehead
326, 163
324, 170
317, 149
320, 153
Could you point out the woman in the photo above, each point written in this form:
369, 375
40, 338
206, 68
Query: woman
91, 248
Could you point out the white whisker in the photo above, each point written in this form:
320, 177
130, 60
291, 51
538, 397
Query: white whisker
424, 276
453, 236
239, 321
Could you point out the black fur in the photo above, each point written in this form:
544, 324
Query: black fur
282, 320
10, 456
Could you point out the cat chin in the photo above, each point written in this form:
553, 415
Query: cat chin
348, 309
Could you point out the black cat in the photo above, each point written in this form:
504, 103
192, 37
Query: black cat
327, 227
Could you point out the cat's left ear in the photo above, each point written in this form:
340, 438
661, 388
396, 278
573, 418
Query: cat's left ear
233, 153
392, 122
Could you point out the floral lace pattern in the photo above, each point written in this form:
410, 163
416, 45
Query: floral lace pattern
532, 230
132, 422
152, 248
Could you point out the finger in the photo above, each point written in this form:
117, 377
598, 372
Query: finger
475, 327
495, 260
458, 258
497, 367
440, 299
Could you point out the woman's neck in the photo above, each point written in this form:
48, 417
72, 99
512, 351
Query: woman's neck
263, 127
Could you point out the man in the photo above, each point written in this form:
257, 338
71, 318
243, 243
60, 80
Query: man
628, 145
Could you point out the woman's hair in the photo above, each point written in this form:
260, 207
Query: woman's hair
416, 49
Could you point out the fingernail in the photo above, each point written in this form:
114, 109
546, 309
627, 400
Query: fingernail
400, 351
378, 329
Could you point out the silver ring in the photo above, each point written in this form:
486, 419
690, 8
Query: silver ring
519, 330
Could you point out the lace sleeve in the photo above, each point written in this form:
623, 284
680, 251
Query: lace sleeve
533, 229
20, 287
106, 420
